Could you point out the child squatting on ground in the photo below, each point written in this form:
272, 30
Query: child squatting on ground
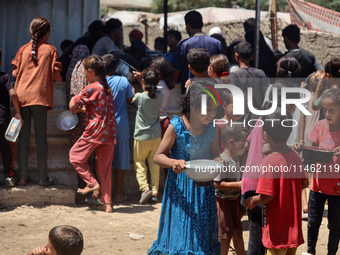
62, 240
280, 191
100, 131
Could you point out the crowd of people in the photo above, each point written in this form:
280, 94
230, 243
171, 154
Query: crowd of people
194, 219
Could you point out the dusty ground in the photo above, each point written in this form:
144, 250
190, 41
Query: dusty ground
25, 227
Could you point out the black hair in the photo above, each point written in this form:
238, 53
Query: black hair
151, 79
192, 100
111, 63
159, 40
236, 132
64, 44
333, 67
199, 59
333, 94
279, 133
176, 34
248, 24
292, 32
288, 67
244, 50
164, 69
66, 240
96, 26
194, 19
112, 24
97, 64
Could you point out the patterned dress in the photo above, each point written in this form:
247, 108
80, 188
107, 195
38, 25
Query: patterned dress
188, 222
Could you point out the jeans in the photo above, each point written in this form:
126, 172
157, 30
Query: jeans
255, 246
39, 114
315, 213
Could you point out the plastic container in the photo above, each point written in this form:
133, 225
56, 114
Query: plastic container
13, 130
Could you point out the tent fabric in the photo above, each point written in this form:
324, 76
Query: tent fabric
313, 17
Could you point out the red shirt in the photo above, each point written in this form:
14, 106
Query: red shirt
100, 114
282, 218
326, 178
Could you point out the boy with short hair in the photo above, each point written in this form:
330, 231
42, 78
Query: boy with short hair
62, 240
174, 37
280, 189
198, 63
228, 189
247, 76
7, 90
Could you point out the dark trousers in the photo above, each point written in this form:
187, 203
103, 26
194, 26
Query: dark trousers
255, 246
315, 212
6, 151
39, 115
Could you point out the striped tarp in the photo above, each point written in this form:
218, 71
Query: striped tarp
313, 17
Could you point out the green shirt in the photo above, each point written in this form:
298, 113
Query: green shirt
147, 126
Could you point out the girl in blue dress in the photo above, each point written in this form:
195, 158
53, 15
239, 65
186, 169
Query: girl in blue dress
188, 222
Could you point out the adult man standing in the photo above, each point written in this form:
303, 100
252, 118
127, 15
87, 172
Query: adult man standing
198, 39
307, 61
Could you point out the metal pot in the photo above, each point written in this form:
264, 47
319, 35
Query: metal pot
312, 154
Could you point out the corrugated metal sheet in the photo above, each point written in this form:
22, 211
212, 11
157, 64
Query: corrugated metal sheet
69, 20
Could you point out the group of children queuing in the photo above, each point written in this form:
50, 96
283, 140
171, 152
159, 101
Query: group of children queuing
194, 220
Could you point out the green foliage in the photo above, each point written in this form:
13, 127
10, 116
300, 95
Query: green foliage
329, 4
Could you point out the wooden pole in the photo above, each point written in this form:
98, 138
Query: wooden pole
273, 22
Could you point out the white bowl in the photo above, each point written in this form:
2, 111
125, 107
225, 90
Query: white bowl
203, 170
66, 120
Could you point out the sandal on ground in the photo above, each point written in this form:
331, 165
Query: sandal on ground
48, 182
145, 197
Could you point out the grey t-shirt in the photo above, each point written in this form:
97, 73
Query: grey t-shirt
231, 173
147, 126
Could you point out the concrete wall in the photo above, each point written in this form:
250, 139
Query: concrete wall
323, 45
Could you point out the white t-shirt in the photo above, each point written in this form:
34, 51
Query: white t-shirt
161, 86
104, 46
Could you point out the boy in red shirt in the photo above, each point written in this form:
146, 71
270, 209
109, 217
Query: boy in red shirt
279, 188
325, 184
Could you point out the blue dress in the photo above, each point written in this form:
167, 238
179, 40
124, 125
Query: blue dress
188, 222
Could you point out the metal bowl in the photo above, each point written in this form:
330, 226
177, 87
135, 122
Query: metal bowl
66, 120
203, 171
312, 154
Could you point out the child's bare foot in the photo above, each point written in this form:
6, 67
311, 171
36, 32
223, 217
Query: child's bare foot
105, 207
88, 189
96, 194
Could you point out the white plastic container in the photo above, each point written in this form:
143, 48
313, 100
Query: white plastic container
13, 130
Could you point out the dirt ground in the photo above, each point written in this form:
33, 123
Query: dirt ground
25, 227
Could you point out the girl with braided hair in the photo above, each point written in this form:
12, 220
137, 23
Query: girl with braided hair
100, 131
35, 68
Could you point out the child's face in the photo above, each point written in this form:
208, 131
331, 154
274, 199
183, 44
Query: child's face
50, 249
331, 110
172, 42
211, 113
229, 112
89, 75
211, 72
158, 46
238, 146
